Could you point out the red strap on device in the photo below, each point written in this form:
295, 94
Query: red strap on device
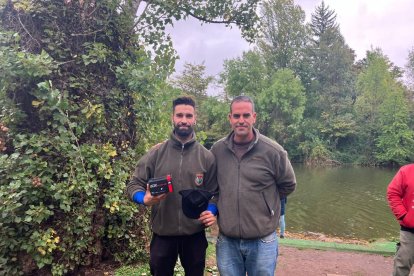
170, 187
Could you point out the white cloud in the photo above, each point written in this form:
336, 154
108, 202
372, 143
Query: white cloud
208, 43
384, 24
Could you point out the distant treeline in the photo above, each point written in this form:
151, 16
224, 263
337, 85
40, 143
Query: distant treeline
311, 95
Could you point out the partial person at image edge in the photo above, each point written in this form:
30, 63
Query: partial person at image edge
191, 166
400, 195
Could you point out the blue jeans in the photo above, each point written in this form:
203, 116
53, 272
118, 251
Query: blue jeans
257, 257
282, 225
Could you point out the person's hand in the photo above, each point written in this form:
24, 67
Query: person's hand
150, 200
408, 219
207, 218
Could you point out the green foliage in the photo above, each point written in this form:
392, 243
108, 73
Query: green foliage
78, 112
378, 94
245, 75
336, 129
213, 120
281, 104
284, 34
323, 21
339, 111
395, 142
331, 63
410, 70
315, 152
192, 81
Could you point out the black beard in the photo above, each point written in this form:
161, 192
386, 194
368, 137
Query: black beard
184, 133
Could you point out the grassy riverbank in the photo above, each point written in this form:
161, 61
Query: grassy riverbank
384, 248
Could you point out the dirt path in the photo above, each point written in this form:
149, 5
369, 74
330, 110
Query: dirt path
294, 261
309, 262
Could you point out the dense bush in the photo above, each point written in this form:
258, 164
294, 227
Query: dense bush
79, 101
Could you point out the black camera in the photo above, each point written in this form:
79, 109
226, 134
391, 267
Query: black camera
160, 185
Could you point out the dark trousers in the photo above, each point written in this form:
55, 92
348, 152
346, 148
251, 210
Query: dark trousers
164, 251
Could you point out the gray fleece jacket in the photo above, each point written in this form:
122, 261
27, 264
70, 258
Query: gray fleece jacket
250, 189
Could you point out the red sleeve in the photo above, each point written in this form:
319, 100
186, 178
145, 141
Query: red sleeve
395, 193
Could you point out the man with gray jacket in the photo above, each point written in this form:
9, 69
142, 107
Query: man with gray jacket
253, 173
178, 227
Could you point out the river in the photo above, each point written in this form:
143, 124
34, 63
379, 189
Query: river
347, 202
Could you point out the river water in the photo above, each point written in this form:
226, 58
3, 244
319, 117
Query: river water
347, 202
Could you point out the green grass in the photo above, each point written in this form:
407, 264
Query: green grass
133, 270
386, 248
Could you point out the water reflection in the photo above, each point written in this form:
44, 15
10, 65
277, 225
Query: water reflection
345, 202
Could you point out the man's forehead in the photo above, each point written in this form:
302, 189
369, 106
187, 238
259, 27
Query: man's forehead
184, 108
242, 107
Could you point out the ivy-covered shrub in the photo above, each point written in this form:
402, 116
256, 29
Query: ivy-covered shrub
80, 101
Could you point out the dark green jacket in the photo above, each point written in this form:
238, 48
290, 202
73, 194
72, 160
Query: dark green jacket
250, 190
188, 164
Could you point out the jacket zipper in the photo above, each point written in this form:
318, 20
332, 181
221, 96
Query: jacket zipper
179, 173
238, 195
238, 183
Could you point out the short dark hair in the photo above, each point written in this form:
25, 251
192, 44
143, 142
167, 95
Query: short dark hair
242, 98
183, 100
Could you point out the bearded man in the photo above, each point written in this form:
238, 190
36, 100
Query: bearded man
190, 166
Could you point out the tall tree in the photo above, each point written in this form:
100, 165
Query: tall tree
332, 65
284, 34
331, 90
410, 71
323, 23
379, 94
395, 142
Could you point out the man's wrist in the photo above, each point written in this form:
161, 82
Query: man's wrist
139, 197
212, 208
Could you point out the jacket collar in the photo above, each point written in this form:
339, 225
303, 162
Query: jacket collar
230, 143
179, 144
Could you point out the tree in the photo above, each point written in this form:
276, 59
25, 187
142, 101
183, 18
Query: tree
211, 111
281, 105
214, 115
193, 81
332, 65
396, 139
410, 70
284, 34
83, 94
381, 110
245, 75
323, 24
330, 92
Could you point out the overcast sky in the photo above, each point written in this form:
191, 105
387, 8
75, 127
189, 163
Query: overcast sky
387, 24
